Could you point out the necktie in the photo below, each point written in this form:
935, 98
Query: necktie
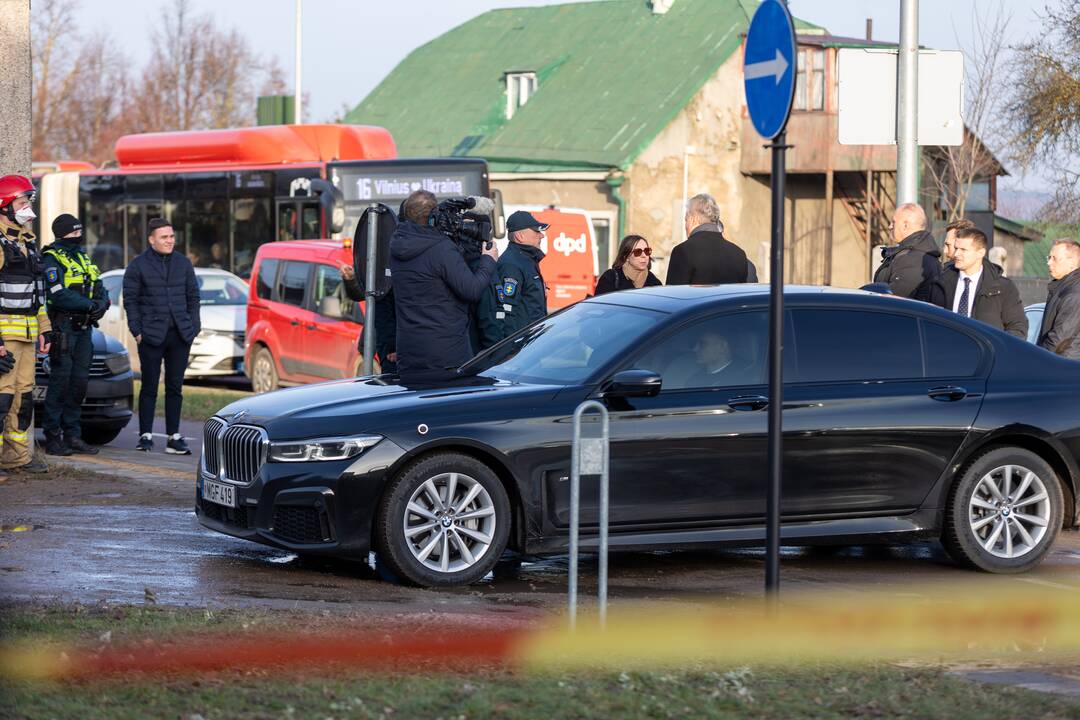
963, 308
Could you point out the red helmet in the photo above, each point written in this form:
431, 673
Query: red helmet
13, 186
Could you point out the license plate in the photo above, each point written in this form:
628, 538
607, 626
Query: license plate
219, 493
39, 393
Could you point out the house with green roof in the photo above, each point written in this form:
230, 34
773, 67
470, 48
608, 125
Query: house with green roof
625, 108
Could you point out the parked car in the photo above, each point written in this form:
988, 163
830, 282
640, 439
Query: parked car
301, 327
1034, 316
219, 348
902, 421
107, 407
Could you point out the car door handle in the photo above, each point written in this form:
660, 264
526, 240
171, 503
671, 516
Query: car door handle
294, 323
312, 327
748, 402
948, 393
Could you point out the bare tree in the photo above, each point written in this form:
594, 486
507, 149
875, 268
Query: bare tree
1044, 109
952, 171
203, 77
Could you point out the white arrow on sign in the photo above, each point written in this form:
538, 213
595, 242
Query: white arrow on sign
768, 68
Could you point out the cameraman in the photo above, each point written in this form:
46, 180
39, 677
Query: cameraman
433, 288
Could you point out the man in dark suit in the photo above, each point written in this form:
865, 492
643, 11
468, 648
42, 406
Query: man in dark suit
706, 257
976, 288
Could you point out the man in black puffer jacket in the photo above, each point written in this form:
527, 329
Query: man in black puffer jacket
911, 267
1060, 330
161, 297
433, 289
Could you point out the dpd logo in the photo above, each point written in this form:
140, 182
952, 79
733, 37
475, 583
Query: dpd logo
566, 246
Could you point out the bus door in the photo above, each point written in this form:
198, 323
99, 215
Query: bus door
298, 219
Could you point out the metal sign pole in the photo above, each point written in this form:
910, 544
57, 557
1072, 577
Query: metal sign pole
369, 289
907, 104
589, 456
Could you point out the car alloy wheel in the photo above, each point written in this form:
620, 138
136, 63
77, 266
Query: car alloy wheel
450, 522
1004, 511
444, 520
1009, 512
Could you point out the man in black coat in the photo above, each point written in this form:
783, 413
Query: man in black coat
433, 289
976, 288
911, 267
161, 298
1060, 330
706, 257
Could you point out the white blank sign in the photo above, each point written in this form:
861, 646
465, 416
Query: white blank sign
867, 95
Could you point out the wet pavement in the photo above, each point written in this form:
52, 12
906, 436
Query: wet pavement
132, 537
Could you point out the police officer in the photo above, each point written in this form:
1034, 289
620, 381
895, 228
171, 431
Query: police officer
24, 324
77, 300
519, 296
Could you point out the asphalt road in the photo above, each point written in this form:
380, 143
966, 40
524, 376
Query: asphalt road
132, 536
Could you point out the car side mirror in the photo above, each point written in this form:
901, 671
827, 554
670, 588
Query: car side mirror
330, 306
632, 383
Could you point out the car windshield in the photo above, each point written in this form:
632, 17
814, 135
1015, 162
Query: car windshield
222, 290
567, 347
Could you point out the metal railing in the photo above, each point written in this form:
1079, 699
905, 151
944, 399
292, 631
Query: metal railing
589, 456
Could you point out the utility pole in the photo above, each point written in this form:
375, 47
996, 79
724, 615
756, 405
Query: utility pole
15, 87
298, 114
907, 104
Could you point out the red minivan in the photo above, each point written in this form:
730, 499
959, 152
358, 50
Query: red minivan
301, 326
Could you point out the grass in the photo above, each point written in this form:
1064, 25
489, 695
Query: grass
199, 402
819, 691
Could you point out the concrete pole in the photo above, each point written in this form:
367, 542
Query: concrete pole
907, 104
15, 87
298, 90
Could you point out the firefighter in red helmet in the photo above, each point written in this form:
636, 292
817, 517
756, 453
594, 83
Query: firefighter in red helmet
24, 324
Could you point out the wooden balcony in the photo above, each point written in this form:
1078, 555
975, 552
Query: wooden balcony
816, 148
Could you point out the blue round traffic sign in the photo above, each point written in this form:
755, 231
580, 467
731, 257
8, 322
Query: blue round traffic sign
769, 68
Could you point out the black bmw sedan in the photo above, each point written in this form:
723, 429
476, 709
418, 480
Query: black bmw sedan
901, 421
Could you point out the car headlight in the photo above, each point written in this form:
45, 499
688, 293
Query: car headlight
118, 363
340, 448
206, 334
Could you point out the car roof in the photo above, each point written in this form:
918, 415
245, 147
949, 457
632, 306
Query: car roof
198, 271
676, 298
302, 249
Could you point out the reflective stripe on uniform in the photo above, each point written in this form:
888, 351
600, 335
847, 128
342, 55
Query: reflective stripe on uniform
19, 437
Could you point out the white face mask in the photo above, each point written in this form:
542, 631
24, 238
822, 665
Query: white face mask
24, 216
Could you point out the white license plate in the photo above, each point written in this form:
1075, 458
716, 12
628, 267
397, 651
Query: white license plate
39, 393
219, 493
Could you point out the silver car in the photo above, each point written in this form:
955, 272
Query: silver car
1034, 316
219, 347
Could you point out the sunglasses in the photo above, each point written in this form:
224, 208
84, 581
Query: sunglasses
638, 252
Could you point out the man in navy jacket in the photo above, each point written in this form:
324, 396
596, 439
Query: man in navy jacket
433, 289
161, 297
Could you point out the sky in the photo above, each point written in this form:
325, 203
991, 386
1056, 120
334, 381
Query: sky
350, 45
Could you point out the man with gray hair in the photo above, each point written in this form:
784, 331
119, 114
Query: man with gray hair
1060, 331
706, 257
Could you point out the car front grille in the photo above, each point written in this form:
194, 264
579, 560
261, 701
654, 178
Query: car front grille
234, 452
98, 368
301, 524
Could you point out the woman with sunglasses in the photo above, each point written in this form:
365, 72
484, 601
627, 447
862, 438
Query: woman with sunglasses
631, 267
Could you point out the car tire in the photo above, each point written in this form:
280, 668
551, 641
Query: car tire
100, 436
1004, 512
431, 543
264, 375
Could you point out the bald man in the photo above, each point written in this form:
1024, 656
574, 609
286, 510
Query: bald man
911, 266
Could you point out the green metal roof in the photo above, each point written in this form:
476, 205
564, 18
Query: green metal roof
611, 75
1035, 252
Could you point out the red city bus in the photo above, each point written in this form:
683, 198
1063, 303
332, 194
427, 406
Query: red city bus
227, 192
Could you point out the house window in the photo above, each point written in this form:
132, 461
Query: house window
810, 80
520, 87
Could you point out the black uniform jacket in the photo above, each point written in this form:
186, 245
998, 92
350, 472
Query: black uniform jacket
1060, 331
517, 296
996, 302
707, 258
433, 288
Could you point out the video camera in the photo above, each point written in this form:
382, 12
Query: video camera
467, 221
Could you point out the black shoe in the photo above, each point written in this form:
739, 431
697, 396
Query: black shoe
36, 466
146, 443
177, 445
76, 445
55, 445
